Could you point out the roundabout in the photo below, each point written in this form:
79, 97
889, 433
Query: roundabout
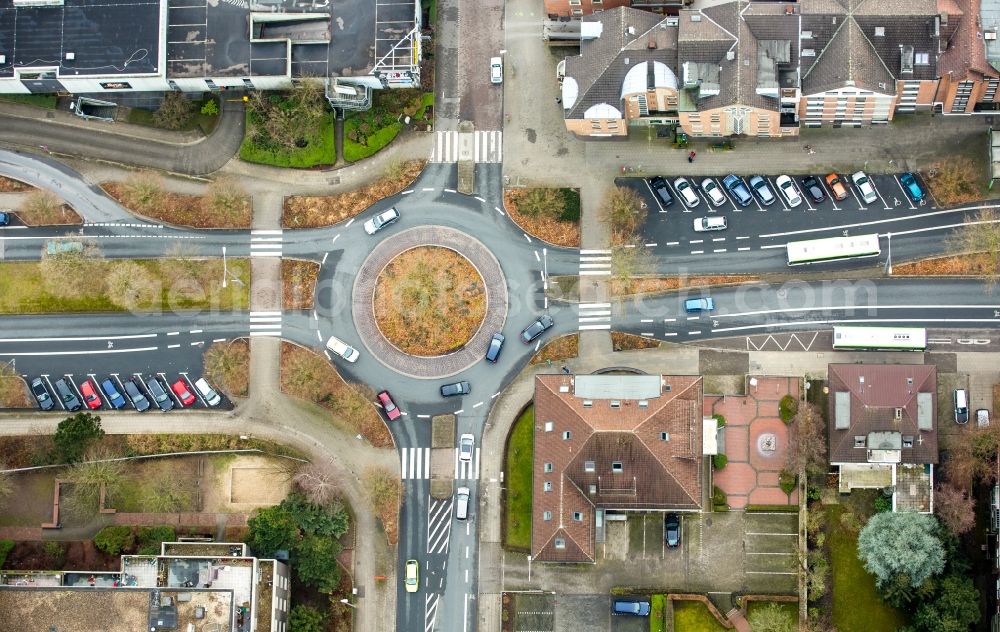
479, 305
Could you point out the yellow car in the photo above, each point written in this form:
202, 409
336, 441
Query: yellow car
411, 576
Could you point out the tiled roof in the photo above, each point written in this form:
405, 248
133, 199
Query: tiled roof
965, 56
885, 387
848, 57
656, 473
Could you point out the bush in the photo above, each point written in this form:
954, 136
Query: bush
719, 461
175, 111
114, 540
788, 407
306, 619
316, 563
6, 546
74, 434
150, 538
211, 108
786, 480
719, 420
772, 509
719, 497
883, 503
571, 210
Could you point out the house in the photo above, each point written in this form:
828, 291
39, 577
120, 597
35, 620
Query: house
605, 445
564, 8
968, 80
82, 47
883, 430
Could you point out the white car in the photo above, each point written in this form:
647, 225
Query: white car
466, 445
496, 70
788, 191
210, 396
713, 192
342, 349
381, 220
703, 224
686, 192
865, 186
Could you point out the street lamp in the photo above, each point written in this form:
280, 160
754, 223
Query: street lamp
225, 271
348, 603
888, 260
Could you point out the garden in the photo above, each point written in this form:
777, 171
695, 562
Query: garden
517, 466
369, 131
290, 129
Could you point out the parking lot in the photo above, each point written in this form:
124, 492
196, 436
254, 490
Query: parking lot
772, 548
116, 391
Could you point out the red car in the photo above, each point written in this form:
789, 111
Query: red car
389, 406
180, 390
89, 392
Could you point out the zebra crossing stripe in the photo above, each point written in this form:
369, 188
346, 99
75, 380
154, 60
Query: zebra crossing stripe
265, 243
265, 324
594, 316
487, 146
415, 463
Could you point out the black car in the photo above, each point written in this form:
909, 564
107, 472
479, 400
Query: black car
41, 393
134, 392
672, 530
813, 189
496, 344
69, 399
536, 328
160, 395
457, 388
659, 185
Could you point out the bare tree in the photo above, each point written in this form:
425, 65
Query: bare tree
981, 236
228, 199
175, 111
318, 481
82, 499
624, 212
628, 261
955, 508
70, 272
166, 493
144, 190
973, 457
41, 207
807, 441
130, 285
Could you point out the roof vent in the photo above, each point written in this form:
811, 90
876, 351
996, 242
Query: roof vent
696, 17
808, 52
631, 30
730, 55
671, 22
897, 414
990, 36
588, 403
879, 31
70, 56
3, 59
643, 403
616, 403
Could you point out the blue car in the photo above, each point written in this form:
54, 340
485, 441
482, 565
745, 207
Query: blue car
737, 189
912, 187
631, 607
4, 219
114, 397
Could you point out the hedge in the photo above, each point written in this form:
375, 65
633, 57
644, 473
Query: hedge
788, 407
719, 461
772, 509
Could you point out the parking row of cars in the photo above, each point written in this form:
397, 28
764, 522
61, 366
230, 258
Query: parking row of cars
116, 394
757, 187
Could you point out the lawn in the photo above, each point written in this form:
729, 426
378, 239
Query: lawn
657, 605
790, 609
47, 101
24, 289
204, 122
356, 151
856, 603
517, 469
318, 150
693, 616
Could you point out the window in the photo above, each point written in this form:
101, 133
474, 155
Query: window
547, 486
211, 85
808, 52
560, 543
643, 403
859, 441
589, 466
879, 31
546, 515
567, 435
577, 11
616, 403
548, 426
664, 436
593, 489
807, 34
588, 403
908, 441
247, 83
548, 467
578, 516
617, 467
923, 59
574, 3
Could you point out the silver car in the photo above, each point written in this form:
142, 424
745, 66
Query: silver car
713, 192
466, 445
686, 192
381, 220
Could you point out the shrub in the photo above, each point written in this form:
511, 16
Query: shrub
211, 108
114, 540
772, 509
788, 407
720, 421
786, 480
719, 497
719, 461
6, 546
571, 210
883, 503
150, 538
74, 434
175, 111
306, 619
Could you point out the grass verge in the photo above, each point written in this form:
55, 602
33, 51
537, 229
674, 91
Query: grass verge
319, 149
621, 341
955, 265
227, 365
856, 603
309, 211
13, 390
374, 143
693, 616
385, 492
10, 185
175, 285
561, 231
657, 612
47, 101
517, 465
298, 283
562, 348
652, 285
228, 210
204, 122
788, 608
307, 375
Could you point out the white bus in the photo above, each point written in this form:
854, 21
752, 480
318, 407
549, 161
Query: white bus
832, 249
880, 338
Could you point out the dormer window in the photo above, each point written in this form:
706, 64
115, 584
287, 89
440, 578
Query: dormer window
617, 467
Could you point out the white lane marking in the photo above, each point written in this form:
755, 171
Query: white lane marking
594, 305
494, 395
195, 331
648, 334
693, 317
407, 192
335, 238
459, 411
320, 336
349, 222
882, 221
427, 189
195, 344
79, 338
719, 239
477, 404
694, 332
828, 307
497, 209
172, 346
219, 340
646, 320
673, 243
595, 252
669, 320
481, 199
652, 245
697, 252
537, 258
423, 416
742, 249
719, 250
98, 351
325, 255
696, 241
743, 237
173, 333
670, 334
526, 237
449, 190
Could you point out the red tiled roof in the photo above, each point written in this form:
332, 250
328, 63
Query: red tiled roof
965, 56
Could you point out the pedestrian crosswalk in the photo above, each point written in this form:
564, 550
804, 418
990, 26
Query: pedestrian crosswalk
438, 525
265, 324
467, 469
595, 316
487, 146
595, 263
265, 243
415, 463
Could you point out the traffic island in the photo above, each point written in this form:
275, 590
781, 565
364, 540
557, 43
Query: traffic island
442, 456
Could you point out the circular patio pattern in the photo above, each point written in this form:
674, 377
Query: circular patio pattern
429, 301
362, 305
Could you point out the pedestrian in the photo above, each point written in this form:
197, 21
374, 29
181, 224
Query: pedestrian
565, 369
558, 100
691, 156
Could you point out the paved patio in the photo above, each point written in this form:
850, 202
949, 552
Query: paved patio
756, 442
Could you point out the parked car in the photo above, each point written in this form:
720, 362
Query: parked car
865, 186
466, 446
703, 224
496, 345
69, 399
4, 219
340, 348
496, 70
159, 394
388, 406
814, 189
912, 187
462, 503
762, 190
180, 389
536, 328
631, 607
41, 393
134, 392
672, 530
713, 192
693, 305
737, 189
961, 400
411, 576
788, 191
659, 186
380, 221
686, 192
90, 396
207, 393
837, 188
982, 417
115, 398
456, 388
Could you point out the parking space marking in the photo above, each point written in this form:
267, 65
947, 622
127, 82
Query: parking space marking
861, 205
887, 207
656, 198
903, 191
829, 194
777, 194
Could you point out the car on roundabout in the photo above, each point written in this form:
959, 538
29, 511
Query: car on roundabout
380, 221
536, 328
388, 406
341, 349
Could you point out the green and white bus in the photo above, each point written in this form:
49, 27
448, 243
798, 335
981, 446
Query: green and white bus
880, 338
832, 249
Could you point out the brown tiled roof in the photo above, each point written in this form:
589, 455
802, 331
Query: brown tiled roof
965, 57
657, 473
872, 409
